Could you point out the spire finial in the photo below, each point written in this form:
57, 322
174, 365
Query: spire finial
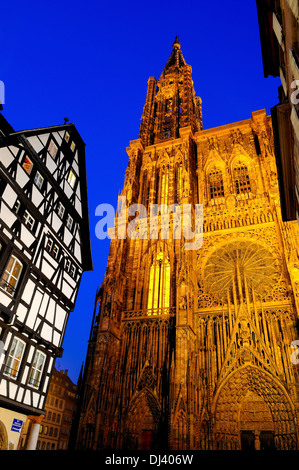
176, 42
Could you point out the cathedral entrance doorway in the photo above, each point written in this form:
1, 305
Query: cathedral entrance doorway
256, 423
141, 422
253, 411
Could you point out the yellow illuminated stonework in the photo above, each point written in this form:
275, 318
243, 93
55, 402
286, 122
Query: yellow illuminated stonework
159, 284
191, 349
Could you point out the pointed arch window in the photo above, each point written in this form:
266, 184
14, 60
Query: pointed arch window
216, 183
242, 180
145, 195
164, 188
179, 178
159, 283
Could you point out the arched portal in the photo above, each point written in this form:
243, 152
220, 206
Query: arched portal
256, 423
141, 424
252, 410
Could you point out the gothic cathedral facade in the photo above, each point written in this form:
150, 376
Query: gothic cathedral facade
196, 348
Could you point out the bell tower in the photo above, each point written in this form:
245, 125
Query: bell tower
192, 348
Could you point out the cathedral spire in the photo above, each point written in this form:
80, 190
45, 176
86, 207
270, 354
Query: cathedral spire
176, 59
171, 102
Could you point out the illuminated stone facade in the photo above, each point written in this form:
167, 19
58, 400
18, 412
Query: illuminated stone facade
191, 349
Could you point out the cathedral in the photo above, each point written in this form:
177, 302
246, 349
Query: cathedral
196, 349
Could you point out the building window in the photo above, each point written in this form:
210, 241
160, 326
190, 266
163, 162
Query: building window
216, 184
159, 283
11, 276
16, 206
164, 190
52, 149
60, 209
73, 271
38, 180
52, 248
27, 165
55, 251
72, 178
66, 136
37, 369
67, 265
73, 146
69, 222
179, 183
242, 180
28, 220
14, 358
168, 105
49, 245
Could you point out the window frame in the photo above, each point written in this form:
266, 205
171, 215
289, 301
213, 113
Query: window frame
72, 271
241, 178
17, 205
38, 180
67, 265
216, 183
69, 222
159, 283
24, 164
50, 246
28, 220
72, 178
12, 358
59, 212
52, 145
8, 286
55, 251
34, 371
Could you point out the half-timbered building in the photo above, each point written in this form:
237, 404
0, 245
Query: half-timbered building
44, 249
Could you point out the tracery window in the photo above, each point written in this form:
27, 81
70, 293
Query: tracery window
216, 183
159, 283
242, 180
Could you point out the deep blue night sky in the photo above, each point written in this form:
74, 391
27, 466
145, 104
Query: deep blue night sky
90, 61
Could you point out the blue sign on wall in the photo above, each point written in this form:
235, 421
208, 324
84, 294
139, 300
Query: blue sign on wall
16, 425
